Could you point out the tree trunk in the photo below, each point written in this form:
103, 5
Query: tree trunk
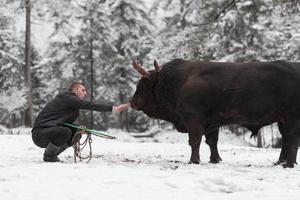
92, 70
121, 115
272, 136
27, 70
259, 139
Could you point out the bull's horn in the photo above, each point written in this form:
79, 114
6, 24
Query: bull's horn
156, 66
139, 69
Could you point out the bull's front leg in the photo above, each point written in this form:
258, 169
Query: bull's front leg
195, 132
194, 142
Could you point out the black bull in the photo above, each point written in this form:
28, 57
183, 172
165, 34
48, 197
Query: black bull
199, 97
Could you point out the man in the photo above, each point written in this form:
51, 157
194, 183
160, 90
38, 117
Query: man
48, 130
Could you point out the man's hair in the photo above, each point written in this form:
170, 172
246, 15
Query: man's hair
74, 85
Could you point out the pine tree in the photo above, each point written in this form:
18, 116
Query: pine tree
27, 67
98, 24
96, 45
132, 40
186, 25
12, 88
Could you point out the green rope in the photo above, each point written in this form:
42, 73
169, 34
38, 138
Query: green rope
78, 146
91, 131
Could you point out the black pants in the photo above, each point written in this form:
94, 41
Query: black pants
56, 135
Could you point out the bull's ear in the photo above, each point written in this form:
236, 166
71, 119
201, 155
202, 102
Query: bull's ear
139, 69
156, 66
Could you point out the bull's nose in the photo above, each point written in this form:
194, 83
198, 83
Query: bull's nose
132, 105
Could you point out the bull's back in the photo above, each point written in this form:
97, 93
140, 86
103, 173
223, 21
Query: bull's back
239, 92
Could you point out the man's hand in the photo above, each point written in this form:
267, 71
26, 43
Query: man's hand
121, 108
82, 131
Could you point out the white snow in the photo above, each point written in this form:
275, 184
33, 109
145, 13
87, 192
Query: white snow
127, 168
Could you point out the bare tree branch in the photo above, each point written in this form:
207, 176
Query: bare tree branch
225, 9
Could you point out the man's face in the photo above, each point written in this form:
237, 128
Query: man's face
80, 91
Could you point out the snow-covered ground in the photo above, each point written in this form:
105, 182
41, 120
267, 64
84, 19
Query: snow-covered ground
127, 168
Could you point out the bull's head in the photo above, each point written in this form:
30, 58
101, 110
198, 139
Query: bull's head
144, 98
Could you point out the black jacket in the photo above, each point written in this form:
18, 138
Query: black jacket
65, 108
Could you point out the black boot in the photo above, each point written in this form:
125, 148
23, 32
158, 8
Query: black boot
50, 154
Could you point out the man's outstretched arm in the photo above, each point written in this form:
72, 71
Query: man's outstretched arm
120, 108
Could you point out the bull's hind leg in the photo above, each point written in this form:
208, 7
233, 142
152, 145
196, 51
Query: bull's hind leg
292, 128
284, 147
195, 131
212, 136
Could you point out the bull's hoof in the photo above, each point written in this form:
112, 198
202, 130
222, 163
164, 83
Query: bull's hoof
287, 165
284, 163
196, 161
215, 160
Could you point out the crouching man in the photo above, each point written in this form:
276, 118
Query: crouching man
48, 130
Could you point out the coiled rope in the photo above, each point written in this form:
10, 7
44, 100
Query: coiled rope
80, 146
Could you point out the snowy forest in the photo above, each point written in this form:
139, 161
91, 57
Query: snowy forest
45, 45
95, 41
